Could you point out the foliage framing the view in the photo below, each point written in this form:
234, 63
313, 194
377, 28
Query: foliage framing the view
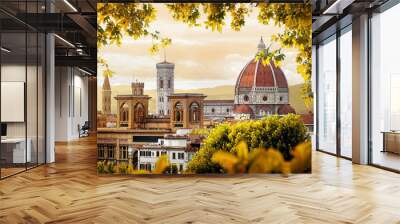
264, 160
116, 20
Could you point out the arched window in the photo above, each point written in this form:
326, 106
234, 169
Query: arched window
178, 112
212, 110
124, 114
246, 98
139, 113
161, 83
194, 111
280, 98
169, 83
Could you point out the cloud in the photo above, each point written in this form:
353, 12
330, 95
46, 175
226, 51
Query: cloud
293, 77
188, 63
190, 84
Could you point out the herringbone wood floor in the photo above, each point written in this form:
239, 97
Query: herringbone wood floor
69, 191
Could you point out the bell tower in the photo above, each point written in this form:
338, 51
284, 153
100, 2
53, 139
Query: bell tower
106, 96
165, 86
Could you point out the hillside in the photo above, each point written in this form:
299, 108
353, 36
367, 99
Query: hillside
216, 93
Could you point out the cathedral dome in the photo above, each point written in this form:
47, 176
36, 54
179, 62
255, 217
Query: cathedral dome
256, 74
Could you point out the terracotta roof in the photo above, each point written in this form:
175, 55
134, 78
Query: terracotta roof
265, 107
218, 101
243, 109
196, 139
174, 136
256, 74
280, 77
264, 76
286, 109
178, 95
131, 97
307, 118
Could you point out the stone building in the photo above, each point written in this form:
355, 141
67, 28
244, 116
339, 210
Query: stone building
165, 86
135, 127
261, 89
218, 110
179, 149
187, 110
132, 109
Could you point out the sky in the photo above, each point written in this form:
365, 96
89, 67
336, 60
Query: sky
202, 58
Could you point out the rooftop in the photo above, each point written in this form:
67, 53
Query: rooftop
132, 96
187, 95
218, 101
174, 136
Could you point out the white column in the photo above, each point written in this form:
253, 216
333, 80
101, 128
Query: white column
360, 90
63, 103
50, 98
314, 90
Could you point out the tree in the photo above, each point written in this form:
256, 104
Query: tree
116, 20
296, 19
279, 132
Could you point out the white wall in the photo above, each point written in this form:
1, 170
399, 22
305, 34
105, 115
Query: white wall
314, 90
175, 142
71, 102
385, 76
12, 73
33, 126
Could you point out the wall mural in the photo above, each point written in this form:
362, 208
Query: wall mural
204, 88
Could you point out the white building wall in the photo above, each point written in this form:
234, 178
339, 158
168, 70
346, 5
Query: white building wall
71, 102
170, 154
219, 110
183, 131
256, 97
175, 142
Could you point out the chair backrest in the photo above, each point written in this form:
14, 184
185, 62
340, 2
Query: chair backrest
86, 125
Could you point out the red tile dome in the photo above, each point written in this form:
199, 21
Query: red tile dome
256, 74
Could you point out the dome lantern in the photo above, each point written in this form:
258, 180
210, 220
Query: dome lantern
261, 45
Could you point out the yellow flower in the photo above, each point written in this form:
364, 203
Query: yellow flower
161, 164
301, 161
264, 161
226, 160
